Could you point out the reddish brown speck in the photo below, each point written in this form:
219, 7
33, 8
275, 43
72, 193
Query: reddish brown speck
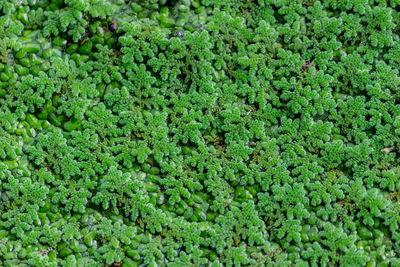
113, 27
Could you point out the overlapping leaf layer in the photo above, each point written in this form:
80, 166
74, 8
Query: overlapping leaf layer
199, 133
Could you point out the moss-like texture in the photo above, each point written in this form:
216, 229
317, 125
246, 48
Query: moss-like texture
199, 133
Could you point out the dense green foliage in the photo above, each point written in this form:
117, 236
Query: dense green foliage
199, 133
